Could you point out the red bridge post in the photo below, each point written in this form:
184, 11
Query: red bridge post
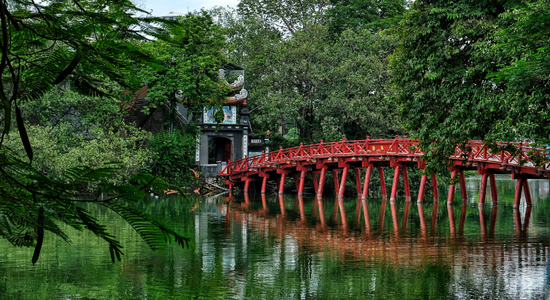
322, 181
395, 183
435, 191
522, 184
382, 183
315, 181
264, 181
463, 191
422, 188
302, 179
282, 181
343, 181
493, 189
367, 180
452, 187
358, 181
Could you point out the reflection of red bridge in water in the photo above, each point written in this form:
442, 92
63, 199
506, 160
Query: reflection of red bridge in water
373, 243
395, 153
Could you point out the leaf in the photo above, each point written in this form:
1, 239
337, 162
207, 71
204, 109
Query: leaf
39, 235
23, 133
70, 67
152, 231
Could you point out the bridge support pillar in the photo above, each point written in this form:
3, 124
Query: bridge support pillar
435, 191
302, 179
282, 180
335, 180
321, 181
463, 191
382, 183
483, 188
451, 195
264, 182
296, 181
406, 184
358, 181
315, 181
527, 193
343, 182
422, 188
482, 192
246, 183
522, 185
400, 168
367, 180
493, 189
230, 184
393, 195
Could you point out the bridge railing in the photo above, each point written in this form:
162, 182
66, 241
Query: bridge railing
473, 151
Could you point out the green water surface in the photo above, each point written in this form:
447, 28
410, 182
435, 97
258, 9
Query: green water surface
287, 248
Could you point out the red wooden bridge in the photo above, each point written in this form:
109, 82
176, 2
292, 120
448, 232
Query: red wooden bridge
398, 153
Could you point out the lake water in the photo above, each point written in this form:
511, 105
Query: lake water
289, 248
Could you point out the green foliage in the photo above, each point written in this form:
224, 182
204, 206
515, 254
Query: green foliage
361, 14
31, 203
54, 155
188, 64
79, 44
440, 68
174, 155
527, 75
292, 17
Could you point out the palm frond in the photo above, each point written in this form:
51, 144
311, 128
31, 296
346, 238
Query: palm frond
155, 234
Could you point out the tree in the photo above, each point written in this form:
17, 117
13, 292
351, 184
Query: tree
527, 75
189, 63
440, 72
288, 18
357, 14
81, 43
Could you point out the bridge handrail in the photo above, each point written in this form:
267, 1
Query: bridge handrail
473, 150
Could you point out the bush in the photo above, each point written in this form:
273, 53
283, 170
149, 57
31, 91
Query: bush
174, 155
53, 155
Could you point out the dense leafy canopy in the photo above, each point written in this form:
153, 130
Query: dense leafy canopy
371, 14
188, 64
